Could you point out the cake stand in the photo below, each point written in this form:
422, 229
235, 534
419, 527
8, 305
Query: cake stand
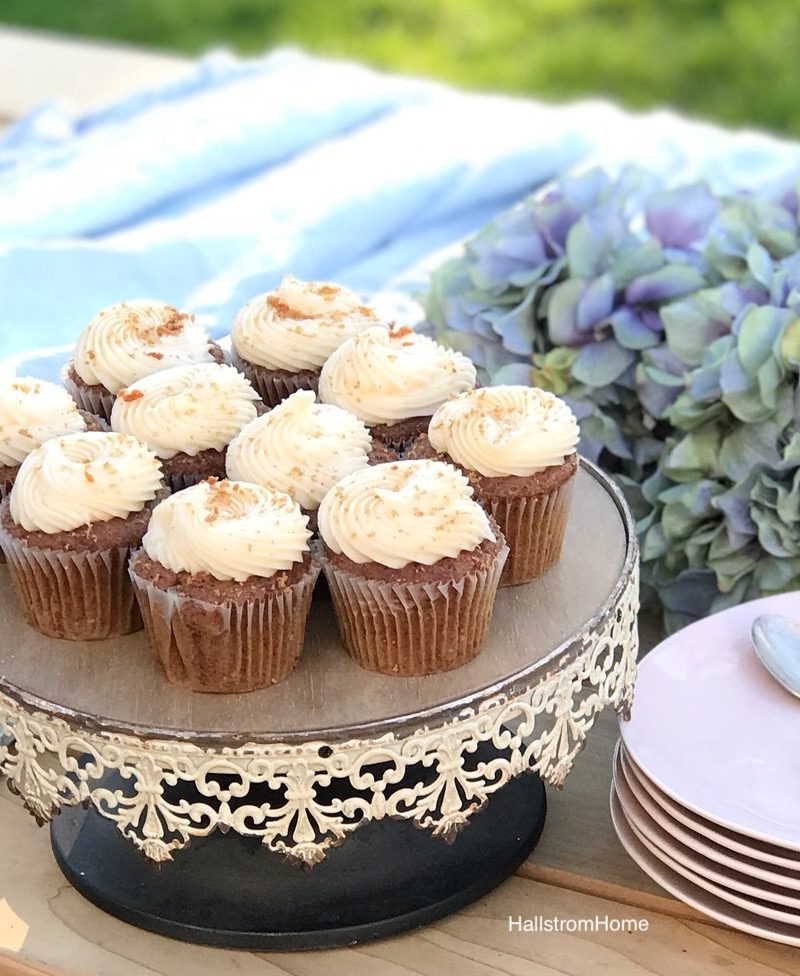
340, 805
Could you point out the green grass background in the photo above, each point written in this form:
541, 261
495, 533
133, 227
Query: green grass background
736, 61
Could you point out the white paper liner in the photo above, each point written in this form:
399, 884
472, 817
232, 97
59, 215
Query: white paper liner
223, 648
271, 387
413, 628
534, 527
100, 403
83, 596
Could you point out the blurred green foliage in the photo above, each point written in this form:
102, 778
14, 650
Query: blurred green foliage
731, 60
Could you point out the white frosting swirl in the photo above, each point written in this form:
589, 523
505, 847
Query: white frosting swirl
78, 479
384, 377
299, 325
229, 529
401, 513
129, 340
300, 447
505, 430
31, 412
187, 409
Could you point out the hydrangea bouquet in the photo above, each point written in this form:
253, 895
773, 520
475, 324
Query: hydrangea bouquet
670, 321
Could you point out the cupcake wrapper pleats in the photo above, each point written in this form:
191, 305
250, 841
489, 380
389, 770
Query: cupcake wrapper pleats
83, 596
225, 648
271, 387
414, 628
534, 527
98, 402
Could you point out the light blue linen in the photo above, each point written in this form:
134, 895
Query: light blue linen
205, 191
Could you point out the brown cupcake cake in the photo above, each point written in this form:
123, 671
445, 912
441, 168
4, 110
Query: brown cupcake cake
516, 444
187, 415
224, 580
413, 565
280, 340
79, 505
303, 448
394, 380
127, 341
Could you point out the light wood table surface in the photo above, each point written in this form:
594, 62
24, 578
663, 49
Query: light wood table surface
578, 870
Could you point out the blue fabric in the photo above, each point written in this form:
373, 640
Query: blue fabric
205, 191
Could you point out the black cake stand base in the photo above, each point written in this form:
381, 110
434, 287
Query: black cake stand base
225, 890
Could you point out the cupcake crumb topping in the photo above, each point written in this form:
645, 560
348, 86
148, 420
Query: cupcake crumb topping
78, 479
501, 431
129, 340
230, 530
403, 512
297, 326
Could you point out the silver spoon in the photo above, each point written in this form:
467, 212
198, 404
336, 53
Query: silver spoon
777, 643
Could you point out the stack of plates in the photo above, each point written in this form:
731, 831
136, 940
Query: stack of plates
706, 793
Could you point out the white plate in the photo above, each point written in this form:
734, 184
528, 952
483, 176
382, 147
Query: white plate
715, 731
736, 877
730, 840
683, 889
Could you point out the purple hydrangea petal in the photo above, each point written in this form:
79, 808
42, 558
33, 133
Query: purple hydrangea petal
595, 303
561, 312
601, 363
682, 216
671, 281
630, 330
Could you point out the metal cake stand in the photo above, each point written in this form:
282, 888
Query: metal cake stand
339, 805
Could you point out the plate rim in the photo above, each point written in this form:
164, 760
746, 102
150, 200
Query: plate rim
696, 897
670, 791
652, 830
792, 864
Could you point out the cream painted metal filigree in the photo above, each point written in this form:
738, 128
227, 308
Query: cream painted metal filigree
300, 800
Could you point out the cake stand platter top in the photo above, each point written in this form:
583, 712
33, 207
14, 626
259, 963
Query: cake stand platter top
305, 763
115, 685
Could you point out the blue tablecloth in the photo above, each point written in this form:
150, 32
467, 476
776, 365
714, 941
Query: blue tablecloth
203, 192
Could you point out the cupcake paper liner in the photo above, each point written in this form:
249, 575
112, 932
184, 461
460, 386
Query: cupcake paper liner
100, 403
271, 387
177, 482
413, 628
221, 647
6, 484
534, 528
83, 596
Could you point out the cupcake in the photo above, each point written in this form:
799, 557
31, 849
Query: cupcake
187, 415
394, 380
413, 565
79, 505
224, 580
302, 448
127, 341
281, 340
516, 445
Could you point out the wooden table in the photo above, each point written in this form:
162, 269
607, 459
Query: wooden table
579, 869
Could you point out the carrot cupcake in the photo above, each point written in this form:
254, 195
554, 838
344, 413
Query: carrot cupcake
302, 448
127, 341
188, 415
79, 504
413, 565
224, 580
394, 380
280, 340
516, 444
